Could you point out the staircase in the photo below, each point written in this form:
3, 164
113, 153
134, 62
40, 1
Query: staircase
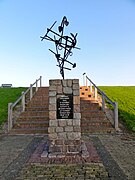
93, 119
35, 118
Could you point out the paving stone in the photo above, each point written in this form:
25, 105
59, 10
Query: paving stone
117, 151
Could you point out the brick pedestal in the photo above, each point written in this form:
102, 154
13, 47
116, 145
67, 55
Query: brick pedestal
64, 117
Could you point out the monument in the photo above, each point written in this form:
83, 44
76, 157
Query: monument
64, 100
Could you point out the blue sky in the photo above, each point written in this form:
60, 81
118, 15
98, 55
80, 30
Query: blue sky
106, 36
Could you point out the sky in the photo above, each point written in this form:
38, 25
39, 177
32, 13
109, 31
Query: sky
106, 36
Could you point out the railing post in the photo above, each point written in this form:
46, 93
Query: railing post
40, 81
116, 115
10, 123
23, 101
36, 85
86, 82
95, 93
84, 79
103, 103
91, 87
31, 93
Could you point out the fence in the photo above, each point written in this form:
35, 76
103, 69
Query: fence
22, 100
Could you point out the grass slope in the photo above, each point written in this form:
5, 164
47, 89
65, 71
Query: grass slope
125, 96
8, 95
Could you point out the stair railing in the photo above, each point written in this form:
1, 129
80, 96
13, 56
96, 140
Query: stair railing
22, 99
105, 97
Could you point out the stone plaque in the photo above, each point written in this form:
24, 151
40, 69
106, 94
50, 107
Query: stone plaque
65, 107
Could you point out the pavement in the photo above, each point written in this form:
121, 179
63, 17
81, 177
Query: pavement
111, 156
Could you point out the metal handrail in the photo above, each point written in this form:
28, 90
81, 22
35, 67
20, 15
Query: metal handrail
101, 92
22, 97
104, 96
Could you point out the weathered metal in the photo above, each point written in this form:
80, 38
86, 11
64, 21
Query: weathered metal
63, 45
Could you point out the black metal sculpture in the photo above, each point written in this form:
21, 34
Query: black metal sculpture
63, 44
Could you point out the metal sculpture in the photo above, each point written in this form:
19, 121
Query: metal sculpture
63, 44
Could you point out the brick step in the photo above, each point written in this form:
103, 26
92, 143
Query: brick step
90, 99
85, 101
30, 131
37, 104
40, 98
31, 124
90, 108
34, 118
85, 94
93, 115
37, 108
43, 89
92, 111
85, 88
96, 124
35, 113
40, 93
96, 130
93, 118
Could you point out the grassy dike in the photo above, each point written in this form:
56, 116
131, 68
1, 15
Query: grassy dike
125, 96
8, 95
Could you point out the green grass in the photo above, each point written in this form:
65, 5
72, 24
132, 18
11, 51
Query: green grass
125, 96
8, 95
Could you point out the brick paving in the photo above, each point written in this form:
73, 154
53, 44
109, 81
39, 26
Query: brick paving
69, 159
63, 172
10, 148
122, 150
111, 157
